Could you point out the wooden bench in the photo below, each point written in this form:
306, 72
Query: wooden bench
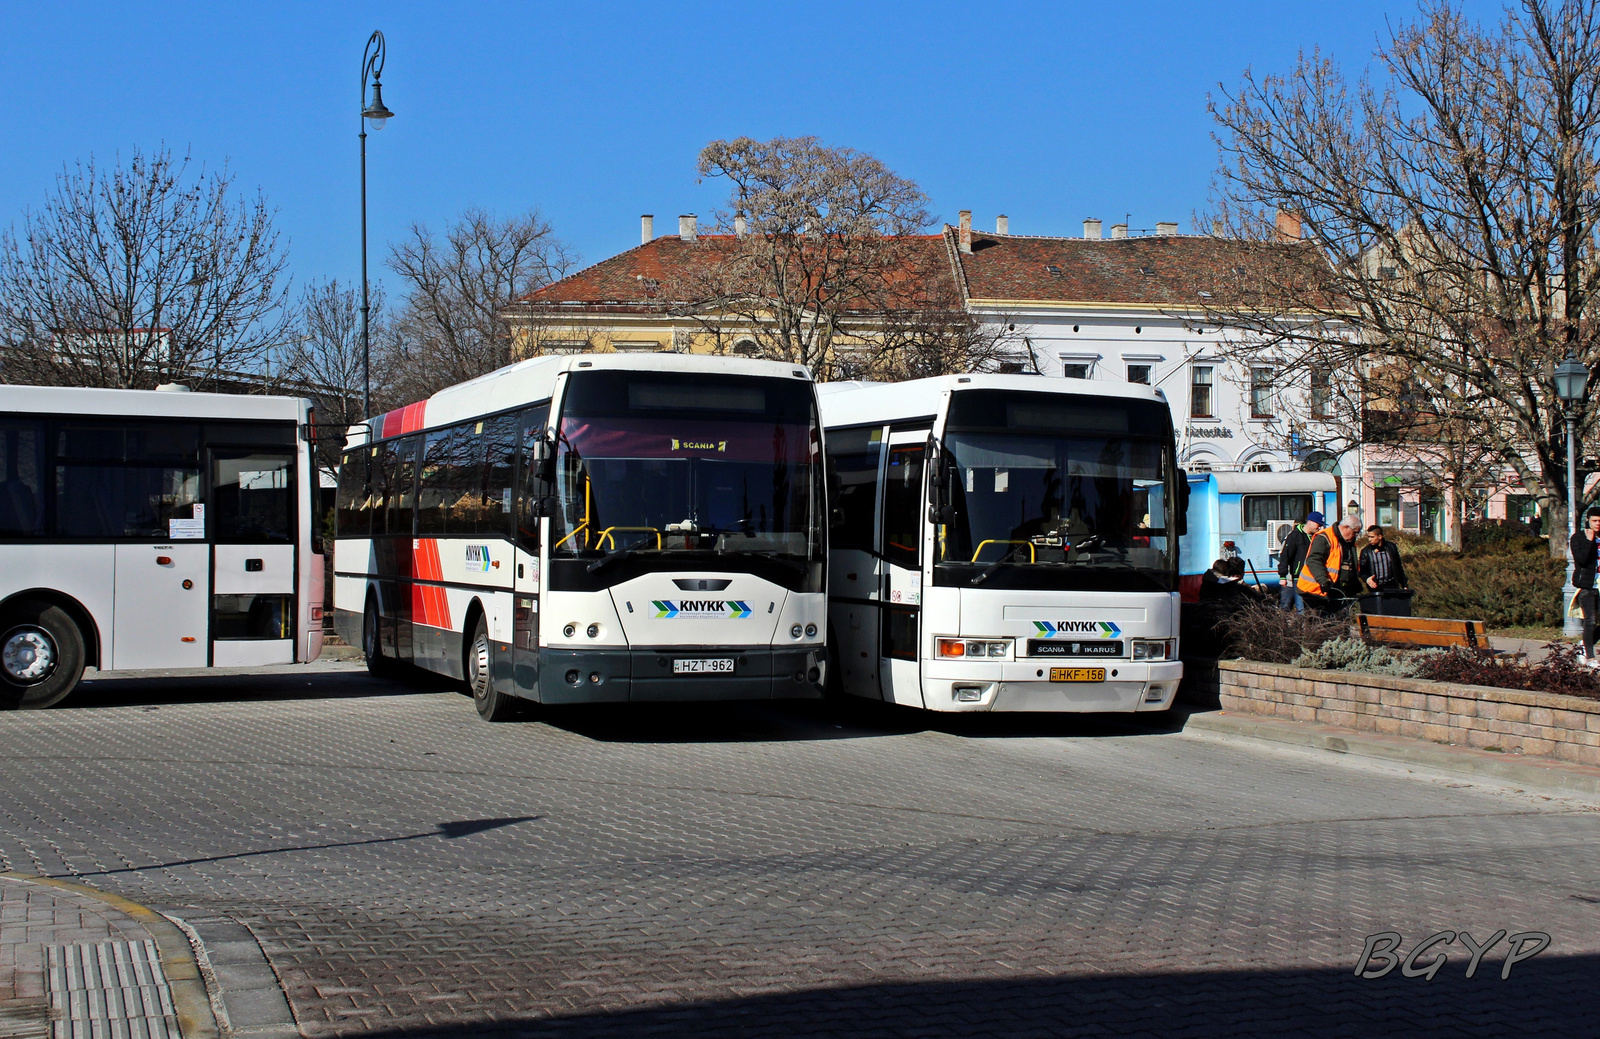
1423, 631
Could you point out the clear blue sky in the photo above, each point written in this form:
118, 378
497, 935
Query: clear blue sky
594, 112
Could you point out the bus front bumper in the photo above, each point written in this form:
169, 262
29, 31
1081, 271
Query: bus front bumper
1024, 685
641, 676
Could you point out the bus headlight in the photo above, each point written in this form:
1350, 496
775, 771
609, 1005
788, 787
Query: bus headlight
795, 631
811, 631
948, 648
1154, 649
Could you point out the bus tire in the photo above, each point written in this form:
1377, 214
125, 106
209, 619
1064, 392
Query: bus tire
492, 705
372, 643
41, 656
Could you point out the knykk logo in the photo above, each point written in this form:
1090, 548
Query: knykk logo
1050, 629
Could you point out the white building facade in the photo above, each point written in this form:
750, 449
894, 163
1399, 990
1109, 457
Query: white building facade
1132, 308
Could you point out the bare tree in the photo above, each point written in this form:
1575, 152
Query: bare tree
146, 273
827, 246
324, 361
1453, 202
449, 328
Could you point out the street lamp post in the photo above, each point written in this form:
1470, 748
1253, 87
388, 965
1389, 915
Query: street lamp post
376, 113
1572, 380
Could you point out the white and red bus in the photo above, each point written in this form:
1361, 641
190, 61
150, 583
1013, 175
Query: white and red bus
612, 527
148, 529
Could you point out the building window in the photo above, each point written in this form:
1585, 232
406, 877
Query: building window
1321, 392
635, 346
1009, 368
1200, 391
746, 348
1261, 392
564, 346
1139, 373
1075, 370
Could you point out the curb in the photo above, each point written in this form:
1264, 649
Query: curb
1547, 776
189, 997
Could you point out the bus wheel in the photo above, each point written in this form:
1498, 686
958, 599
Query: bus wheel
372, 643
492, 705
41, 656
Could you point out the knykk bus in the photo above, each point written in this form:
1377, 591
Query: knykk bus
1004, 543
598, 528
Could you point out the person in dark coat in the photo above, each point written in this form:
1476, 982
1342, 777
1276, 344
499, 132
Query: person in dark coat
1585, 548
1379, 567
1290, 558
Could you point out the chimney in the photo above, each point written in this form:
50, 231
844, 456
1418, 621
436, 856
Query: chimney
1002, 224
1166, 227
966, 231
1216, 228
739, 224
1119, 230
686, 227
1091, 227
647, 228
1288, 226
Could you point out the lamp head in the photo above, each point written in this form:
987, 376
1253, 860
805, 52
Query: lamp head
376, 113
1571, 379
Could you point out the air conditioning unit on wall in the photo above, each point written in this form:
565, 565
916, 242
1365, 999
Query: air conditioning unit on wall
1277, 533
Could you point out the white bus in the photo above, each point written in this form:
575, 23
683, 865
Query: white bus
1003, 543
586, 529
152, 529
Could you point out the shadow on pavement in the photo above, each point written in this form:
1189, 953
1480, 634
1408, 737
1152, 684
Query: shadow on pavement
445, 830
1543, 997
797, 720
290, 683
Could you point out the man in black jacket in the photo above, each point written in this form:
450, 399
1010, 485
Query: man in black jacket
1379, 568
1585, 548
1290, 558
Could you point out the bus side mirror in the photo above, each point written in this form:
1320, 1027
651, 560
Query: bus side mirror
542, 459
1183, 503
937, 477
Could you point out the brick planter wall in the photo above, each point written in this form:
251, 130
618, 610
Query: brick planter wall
1515, 721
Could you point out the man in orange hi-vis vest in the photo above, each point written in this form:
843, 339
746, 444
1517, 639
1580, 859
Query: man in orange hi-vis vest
1329, 566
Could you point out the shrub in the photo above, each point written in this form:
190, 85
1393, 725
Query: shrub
1561, 671
1499, 537
1412, 544
1500, 590
1277, 636
1349, 654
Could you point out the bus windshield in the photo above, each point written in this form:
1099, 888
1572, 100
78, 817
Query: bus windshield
1057, 484
659, 464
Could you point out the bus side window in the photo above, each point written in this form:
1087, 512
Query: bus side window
436, 493
903, 507
400, 506
853, 456
499, 467
21, 478
352, 520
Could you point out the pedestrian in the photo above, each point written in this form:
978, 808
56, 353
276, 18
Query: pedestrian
1585, 550
1379, 567
1535, 524
1328, 576
1291, 556
1347, 530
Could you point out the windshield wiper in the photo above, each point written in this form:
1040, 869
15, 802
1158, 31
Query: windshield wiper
614, 556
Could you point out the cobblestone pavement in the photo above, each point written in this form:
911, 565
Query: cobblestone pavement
774, 870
